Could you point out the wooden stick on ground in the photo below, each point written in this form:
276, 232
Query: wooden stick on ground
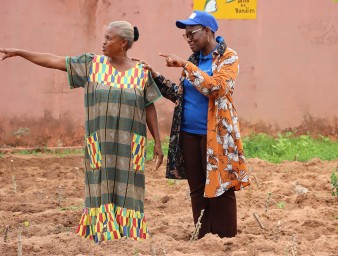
163, 249
257, 219
255, 179
19, 244
6, 233
14, 183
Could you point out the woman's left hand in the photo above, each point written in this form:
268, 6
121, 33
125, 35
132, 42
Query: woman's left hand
173, 60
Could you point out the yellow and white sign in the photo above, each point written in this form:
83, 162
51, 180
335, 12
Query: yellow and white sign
228, 9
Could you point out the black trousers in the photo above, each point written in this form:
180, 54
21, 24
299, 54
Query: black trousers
220, 213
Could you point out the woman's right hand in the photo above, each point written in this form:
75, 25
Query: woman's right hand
8, 52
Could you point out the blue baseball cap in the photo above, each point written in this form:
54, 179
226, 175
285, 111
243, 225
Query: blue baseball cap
199, 18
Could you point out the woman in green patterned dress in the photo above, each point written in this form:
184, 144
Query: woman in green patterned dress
118, 98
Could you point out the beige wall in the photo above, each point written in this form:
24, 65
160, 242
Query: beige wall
288, 55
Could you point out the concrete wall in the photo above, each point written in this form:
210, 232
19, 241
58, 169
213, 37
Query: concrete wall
288, 56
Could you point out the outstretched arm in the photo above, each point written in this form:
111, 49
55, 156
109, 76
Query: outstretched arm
151, 119
42, 59
221, 83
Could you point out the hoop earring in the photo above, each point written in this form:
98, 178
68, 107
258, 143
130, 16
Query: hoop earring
208, 39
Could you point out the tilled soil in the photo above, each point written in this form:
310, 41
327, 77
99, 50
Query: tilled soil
42, 197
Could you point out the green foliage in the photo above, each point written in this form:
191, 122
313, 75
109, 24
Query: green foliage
288, 147
280, 205
60, 153
71, 208
66, 152
25, 152
136, 252
171, 182
334, 183
284, 147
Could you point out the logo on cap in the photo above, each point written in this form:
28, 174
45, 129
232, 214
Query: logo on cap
192, 16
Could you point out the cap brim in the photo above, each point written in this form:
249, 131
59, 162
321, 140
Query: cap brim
183, 23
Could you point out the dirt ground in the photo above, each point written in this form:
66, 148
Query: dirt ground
42, 196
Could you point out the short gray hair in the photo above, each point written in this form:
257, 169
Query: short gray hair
125, 30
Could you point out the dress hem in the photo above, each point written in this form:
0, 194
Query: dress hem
111, 222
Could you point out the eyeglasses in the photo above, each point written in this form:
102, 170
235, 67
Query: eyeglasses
190, 35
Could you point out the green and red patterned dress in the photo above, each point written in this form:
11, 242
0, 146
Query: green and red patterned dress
115, 129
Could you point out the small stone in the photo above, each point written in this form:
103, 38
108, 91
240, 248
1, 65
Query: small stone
300, 190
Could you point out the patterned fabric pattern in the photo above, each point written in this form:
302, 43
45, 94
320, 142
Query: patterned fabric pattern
138, 146
94, 151
115, 104
226, 165
110, 222
102, 72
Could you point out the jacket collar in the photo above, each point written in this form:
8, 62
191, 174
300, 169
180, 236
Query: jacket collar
220, 49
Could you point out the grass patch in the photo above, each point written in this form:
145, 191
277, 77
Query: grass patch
277, 149
288, 147
66, 152
280, 205
30, 152
266, 147
71, 208
51, 151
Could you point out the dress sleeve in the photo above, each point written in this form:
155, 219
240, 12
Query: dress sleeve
151, 92
167, 88
221, 82
78, 69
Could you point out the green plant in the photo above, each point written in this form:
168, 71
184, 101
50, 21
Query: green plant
59, 153
171, 182
289, 147
65, 152
24, 152
267, 202
136, 252
280, 205
71, 208
26, 223
334, 183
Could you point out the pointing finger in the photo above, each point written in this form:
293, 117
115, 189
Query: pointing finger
164, 55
